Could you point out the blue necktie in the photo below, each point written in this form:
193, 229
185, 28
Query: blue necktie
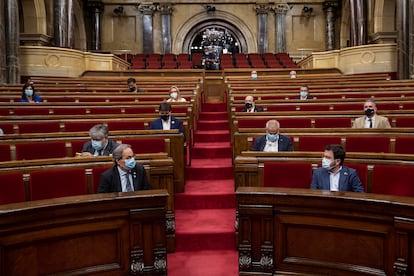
128, 183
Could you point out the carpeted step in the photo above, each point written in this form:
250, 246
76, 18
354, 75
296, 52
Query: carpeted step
213, 116
209, 187
203, 201
204, 263
205, 229
214, 107
213, 125
216, 172
212, 136
212, 150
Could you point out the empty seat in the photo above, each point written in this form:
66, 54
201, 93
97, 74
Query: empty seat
76, 146
252, 123
287, 174
126, 125
39, 127
7, 128
316, 143
337, 122
393, 180
96, 176
5, 153
79, 126
367, 144
404, 145
146, 145
40, 150
295, 122
47, 184
404, 122
362, 170
105, 110
31, 111
12, 188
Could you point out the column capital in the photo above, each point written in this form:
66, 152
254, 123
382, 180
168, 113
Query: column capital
262, 8
165, 8
281, 8
330, 4
147, 8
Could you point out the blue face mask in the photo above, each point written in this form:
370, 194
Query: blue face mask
326, 164
272, 137
130, 163
97, 145
303, 94
253, 76
28, 92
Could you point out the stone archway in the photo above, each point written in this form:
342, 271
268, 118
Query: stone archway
188, 32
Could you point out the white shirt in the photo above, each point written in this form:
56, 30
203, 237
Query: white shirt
166, 124
271, 146
334, 180
123, 176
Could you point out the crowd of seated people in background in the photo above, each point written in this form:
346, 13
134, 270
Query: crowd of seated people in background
166, 121
249, 105
304, 93
132, 85
371, 119
175, 95
272, 141
100, 143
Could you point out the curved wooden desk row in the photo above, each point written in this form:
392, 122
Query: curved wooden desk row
111, 234
303, 232
380, 173
55, 145
354, 140
34, 180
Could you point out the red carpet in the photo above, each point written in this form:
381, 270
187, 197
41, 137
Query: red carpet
205, 212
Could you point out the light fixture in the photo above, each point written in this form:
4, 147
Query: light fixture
119, 10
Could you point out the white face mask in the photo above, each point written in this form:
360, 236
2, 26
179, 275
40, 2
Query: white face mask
253, 76
326, 164
293, 76
303, 94
174, 95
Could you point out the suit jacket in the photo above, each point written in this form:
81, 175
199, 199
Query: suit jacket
307, 98
256, 109
284, 143
174, 124
110, 181
380, 122
348, 180
87, 147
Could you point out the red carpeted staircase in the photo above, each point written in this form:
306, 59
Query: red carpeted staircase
205, 212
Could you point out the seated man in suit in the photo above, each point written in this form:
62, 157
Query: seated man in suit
166, 121
371, 119
272, 141
99, 144
126, 175
250, 106
333, 175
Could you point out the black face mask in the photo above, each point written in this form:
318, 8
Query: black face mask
165, 117
369, 112
248, 105
131, 89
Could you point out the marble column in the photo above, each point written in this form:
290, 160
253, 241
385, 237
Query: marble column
12, 40
262, 10
330, 8
280, 12
95, 9
63, 23
147, 10
358, 18
403, 24
3, 78
166, 11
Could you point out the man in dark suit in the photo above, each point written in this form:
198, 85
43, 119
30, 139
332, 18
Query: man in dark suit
250, 106
166, 121
125, 175
333, 175
100, 144
304, 93
272, 141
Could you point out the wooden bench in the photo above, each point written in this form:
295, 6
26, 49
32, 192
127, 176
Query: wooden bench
309, 232
119, 234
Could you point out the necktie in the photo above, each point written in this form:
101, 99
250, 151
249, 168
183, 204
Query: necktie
370, 123
128, 183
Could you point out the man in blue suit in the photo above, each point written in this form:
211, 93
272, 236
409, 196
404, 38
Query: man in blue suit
273, 141
166, 121
333, 175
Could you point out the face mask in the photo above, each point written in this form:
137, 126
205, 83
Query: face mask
97, 145
131, 89
130, 163
28, 92
165, 117
248, 105
174, 95
272, 137
369, 112
293, 76
326, 164
303, 94
253, 76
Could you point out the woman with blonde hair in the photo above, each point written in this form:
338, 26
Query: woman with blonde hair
175, 95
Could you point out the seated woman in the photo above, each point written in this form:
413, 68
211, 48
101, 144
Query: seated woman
29, 95
175, 95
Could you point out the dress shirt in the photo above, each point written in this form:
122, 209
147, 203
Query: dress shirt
271, 146
124, 176
166, 124
368, 122
334, 180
